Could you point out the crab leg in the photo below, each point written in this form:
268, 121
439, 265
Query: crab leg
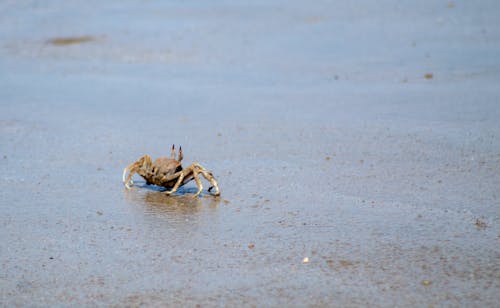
209, 176
192, 172
198, 183
177, 184
184, 177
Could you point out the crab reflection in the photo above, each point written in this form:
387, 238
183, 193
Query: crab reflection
158, 203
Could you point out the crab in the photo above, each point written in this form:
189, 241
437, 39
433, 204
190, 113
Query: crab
168, 173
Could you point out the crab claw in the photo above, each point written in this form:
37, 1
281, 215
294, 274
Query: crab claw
128, 184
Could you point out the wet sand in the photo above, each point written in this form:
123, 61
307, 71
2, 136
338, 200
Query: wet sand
364, 137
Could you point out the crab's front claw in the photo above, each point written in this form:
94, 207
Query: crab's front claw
128, 184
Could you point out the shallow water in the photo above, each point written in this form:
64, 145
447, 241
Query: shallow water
327, 139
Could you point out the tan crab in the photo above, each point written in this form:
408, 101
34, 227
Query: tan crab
168, 173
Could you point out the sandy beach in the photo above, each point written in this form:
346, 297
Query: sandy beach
357, 148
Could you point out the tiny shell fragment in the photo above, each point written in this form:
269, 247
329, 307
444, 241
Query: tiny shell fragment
305, 260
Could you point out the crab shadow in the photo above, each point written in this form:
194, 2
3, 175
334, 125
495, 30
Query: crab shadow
182, 202
181, 191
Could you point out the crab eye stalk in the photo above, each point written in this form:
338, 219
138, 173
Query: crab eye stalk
172, 152
180, 154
